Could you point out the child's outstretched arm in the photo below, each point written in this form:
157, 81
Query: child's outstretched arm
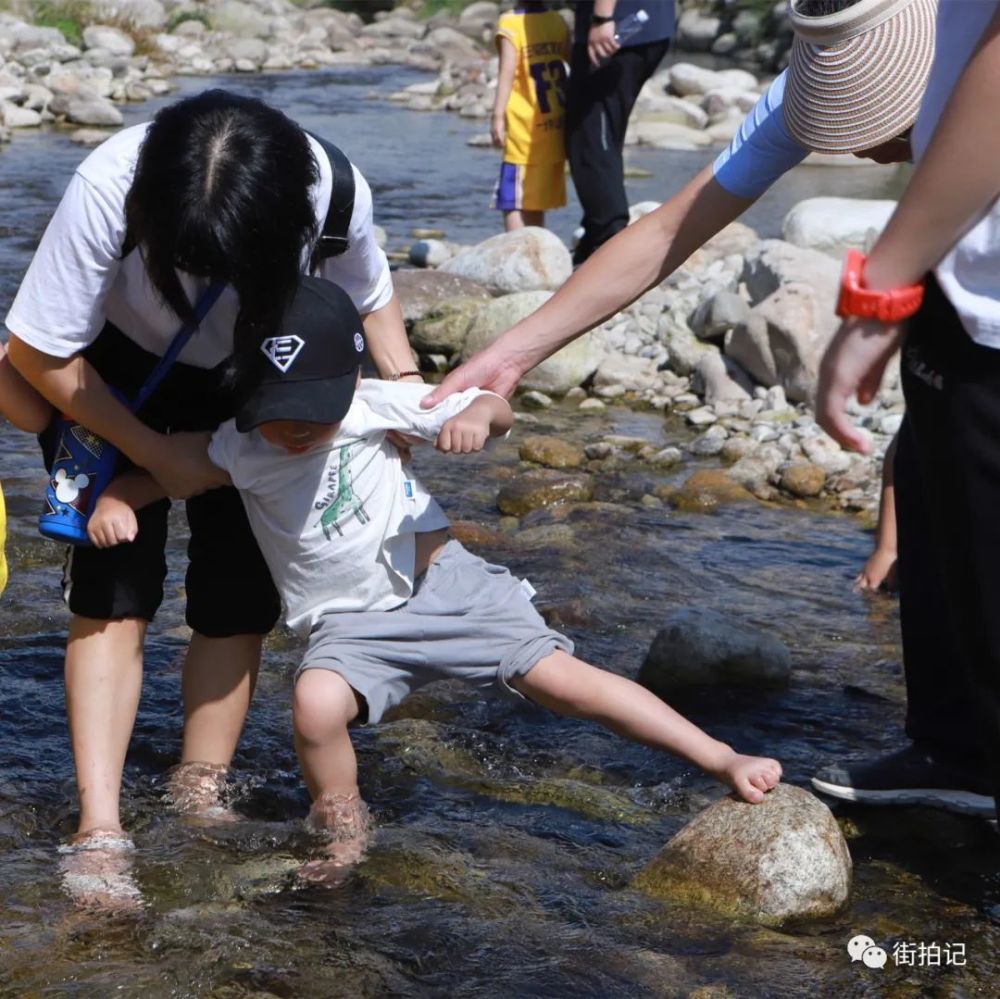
486, 416
505, 84
26, 408
881, 565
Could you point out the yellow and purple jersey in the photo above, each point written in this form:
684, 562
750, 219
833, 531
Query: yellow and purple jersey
536, 109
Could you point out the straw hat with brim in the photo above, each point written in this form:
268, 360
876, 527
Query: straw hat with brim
856, 77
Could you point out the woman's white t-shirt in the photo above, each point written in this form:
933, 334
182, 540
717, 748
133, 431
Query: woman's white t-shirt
970, 272
77, 279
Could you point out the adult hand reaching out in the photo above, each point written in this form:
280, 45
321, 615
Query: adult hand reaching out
494, 369
853, 364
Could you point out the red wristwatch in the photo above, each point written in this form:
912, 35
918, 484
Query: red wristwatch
885, 306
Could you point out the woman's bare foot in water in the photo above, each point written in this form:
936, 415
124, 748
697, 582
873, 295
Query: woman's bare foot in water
197, 790
344, 820
751, 777
96, 869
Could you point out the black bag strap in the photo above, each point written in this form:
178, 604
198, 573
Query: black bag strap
333, 239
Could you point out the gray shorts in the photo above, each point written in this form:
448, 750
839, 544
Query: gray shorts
467, 620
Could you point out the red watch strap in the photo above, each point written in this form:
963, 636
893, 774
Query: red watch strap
885, 306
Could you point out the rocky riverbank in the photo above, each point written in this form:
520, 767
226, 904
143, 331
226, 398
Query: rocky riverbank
730, 343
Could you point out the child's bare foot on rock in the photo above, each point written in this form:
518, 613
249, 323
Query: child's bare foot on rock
344, 820
751, 777
197, 790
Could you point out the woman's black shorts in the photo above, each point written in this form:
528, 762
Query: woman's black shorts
228, 585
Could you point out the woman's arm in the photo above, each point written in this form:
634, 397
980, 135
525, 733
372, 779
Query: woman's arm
624, 268
953, 185
388, 345
19, 402
75, 388
505, 84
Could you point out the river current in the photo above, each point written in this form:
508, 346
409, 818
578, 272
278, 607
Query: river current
506, 837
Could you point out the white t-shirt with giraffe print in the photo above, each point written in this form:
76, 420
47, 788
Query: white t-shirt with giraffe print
336, 524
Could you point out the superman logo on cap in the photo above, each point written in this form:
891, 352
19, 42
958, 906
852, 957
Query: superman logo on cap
281, 351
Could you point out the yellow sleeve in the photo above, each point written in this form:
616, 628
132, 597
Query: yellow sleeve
509, 27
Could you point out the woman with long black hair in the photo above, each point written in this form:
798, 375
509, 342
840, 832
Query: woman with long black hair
218, 188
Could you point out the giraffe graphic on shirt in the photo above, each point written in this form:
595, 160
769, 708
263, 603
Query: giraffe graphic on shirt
343, 499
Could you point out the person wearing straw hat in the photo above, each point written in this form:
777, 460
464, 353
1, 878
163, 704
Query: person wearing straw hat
932, 281
854, 84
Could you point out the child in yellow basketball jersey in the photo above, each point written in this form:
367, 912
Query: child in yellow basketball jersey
528, 114
26, 409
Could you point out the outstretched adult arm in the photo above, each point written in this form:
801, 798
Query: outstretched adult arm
624, 268
957, 179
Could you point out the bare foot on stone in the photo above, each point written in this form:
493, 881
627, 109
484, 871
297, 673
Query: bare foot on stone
751, 777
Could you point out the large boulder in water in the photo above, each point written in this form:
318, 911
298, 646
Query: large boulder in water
697, 646
835, 225
529, 259
564, 370
783, 859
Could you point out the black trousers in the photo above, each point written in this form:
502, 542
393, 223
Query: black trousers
948, 505
599, 102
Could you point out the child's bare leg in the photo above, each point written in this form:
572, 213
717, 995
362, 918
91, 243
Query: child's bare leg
570, 686
323, 707
103, 681
513, 220
533, 218
218, 681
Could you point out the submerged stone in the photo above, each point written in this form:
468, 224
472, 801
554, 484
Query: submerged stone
707, 489
541, 488
552, 452
781, 860
697, 646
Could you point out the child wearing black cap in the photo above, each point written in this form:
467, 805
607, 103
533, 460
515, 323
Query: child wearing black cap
361, 555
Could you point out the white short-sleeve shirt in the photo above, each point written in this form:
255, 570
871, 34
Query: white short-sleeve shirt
969, 274
336, 524
77, 281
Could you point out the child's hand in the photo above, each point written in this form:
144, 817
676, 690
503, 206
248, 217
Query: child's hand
879, 572
498, 130
749, 776
465, 433
113, 522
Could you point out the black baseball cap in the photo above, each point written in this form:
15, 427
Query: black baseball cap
312, 362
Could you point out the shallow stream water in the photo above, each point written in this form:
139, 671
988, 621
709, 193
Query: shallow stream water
506, 838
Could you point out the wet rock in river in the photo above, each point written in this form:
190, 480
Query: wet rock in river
542, 488
444, 330
697, 646
803, 479
835, 225
552, 452
784, 859
707, 489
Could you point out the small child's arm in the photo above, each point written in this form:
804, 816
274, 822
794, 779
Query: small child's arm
505, 84
486, 416
113, 521
26, 408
